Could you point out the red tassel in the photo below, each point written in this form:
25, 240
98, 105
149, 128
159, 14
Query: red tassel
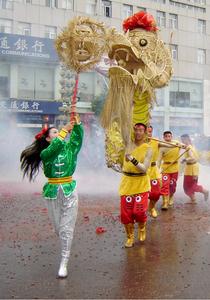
100, 230
41, 133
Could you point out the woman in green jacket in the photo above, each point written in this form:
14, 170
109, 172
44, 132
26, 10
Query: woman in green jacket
59, 159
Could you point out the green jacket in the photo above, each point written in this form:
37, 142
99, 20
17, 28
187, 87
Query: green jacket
59, 160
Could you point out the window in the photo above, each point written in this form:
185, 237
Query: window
187, 6
160, 97
127, 11
179, 99
201, 56
4, 80
50, 32
185, 94
35, 83
24, 28
173, 21
200, 2
202, 26
141, 8
91, 7
174, 52
6, 4
44, 83
161, 18
160, 1
26, 83
51, 3
67, 4
86, 86
107, 8
6, 25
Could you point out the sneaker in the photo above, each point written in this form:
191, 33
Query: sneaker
63, 272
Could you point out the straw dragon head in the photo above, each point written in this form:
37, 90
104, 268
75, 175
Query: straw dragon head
140, 50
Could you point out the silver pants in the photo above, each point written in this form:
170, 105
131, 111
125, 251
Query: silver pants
63, 214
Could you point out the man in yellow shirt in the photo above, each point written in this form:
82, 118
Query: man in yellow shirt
154, 171
168, 159
191, 171
135, 186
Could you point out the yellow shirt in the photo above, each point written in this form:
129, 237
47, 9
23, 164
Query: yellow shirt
170, 155
130, 185
153, 171
191, 169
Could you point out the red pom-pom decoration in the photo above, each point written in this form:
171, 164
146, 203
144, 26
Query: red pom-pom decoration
100, 230
41, 133
142, 20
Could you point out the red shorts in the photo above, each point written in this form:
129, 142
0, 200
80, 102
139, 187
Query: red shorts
134, 208
154, 194
191, 186
169, 183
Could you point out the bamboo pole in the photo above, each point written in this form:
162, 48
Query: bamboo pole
163, 171
164, 142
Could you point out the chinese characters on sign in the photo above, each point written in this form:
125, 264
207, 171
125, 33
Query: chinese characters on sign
27, 46
30, 106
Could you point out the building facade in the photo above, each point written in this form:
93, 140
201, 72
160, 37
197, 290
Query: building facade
183, 106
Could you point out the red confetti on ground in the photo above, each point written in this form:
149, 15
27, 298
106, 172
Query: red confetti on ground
100, 230
86, 218
6, 194
116, 218
37, 194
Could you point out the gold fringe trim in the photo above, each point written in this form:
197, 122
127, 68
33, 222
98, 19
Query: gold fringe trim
119, 103
114, 146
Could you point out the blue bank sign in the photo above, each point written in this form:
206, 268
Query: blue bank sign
14, 45
30, 106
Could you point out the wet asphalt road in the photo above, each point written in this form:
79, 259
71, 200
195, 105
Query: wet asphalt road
174, 261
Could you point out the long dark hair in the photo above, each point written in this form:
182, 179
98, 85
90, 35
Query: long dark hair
30, 157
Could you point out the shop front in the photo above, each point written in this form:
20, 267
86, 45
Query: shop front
30, 114
28, 68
